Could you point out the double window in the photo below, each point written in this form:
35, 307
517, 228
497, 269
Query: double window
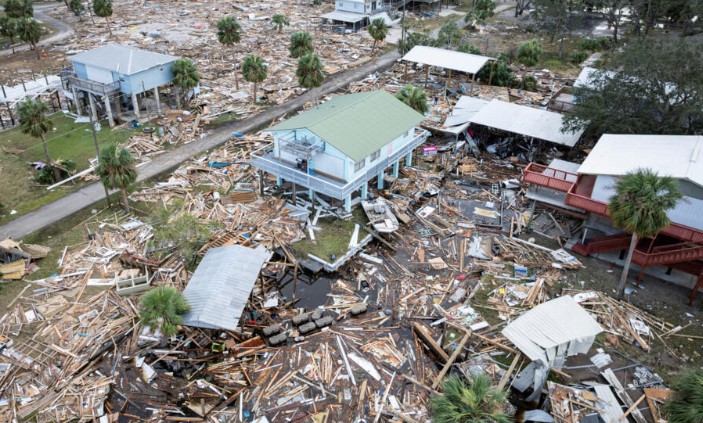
375, 155
359, 165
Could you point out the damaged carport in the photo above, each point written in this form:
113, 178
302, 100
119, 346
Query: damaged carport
512, 130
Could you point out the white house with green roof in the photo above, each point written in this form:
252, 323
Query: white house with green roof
336, 148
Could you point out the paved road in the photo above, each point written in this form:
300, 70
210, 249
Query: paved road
64, 30
91, 194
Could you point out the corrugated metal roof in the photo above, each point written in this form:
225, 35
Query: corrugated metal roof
678, 156
356, 124
447, 59
609, 407
584, 78
220, 286
560, 321
123, 59
463, 110
527, 121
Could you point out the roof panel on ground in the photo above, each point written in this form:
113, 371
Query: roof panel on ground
123, 59
447, 59
525, 120
220, 286
356, 124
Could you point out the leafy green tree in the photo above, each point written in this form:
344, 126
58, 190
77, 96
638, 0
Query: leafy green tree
301, 44
116, 170
417, 39
449, 34
103, 8
503, 75
185, 77
639, 206
482, 10
254, 70
378, 31
468, 48
557, 18
34, 122
415, 97
613, 12
310, 72
8, 28
279, 21
229, 33
686, 406
17, 9
29, 31
163, 308
183, 235
472, 401
650, 94
77, 7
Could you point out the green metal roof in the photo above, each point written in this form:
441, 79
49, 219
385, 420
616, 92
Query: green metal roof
356, 124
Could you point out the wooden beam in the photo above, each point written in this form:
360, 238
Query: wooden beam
449, 362
507, 374
427, 339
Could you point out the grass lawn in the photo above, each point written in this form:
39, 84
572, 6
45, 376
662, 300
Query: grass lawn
68, 141
334, 236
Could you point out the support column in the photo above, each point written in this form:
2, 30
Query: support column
347, 203
135, 104
158, 101
279, 181
108, 110
93, 111
365, 191
311, 195
75, 101
379, 180
396, 168
409, 159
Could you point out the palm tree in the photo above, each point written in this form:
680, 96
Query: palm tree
378, 31
254, 70
639, 206
8, 28
686, 406
301, 44
414, 97
310, 72
472, 401
279, 21
29, 31
33, 121
16, 9
116, 170
185, 77
229, 34
163, 308
528, 53
77, 8
103, 8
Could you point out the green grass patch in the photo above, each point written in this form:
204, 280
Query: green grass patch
222, 119
68, 141
334, 236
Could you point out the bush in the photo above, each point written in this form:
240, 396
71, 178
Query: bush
503, 75
468, 48
578, 57
596, 45
162, 308
529, 83
686, 406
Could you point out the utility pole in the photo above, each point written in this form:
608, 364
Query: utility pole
97, 152
402, 28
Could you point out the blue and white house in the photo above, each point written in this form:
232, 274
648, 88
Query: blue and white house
116, 74
358, 13
336, 148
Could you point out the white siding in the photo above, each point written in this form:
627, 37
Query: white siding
329, 165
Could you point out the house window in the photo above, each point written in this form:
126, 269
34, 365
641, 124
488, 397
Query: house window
359, 165
375, 155
340, 4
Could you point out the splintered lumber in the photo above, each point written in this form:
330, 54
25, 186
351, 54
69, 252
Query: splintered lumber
424, 334
623, 395
449, 362
509, 372
656, 395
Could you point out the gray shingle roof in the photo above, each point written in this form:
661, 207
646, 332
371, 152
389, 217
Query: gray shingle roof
220, 286
123, 59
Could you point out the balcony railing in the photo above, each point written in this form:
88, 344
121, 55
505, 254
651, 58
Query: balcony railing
266, 161
92, 86
549, 177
